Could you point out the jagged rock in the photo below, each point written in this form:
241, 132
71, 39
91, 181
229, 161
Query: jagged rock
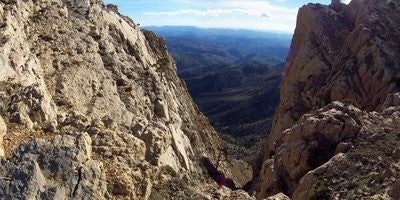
79, 66
339, 53
30, 181
60, 167
161, 109
308, 181
310, 143
225, 193
237, 194
279, 196
343, 147
3, 132
31, 105
336, 5
244, 175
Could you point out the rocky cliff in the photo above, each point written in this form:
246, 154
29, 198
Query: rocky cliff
335, 133
91, 108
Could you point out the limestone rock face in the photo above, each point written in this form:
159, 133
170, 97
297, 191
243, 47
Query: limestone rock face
340, 79
311, 142
61, 167
75, 66
3, 132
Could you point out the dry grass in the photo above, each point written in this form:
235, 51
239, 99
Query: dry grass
17, 135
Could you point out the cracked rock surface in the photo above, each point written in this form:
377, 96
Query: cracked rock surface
61, 167
335, 128
92, 107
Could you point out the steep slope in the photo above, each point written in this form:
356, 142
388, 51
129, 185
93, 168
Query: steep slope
93, 108
321, 145
233, 76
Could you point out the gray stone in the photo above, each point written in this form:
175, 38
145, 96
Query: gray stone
66, 163
279, 196
343, 147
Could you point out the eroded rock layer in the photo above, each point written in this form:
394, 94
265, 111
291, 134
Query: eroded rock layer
93, 108
335, 129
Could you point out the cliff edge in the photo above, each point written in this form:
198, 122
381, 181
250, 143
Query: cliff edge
91, 108
335, 129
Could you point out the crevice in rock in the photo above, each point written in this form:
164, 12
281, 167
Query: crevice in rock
321, 153
74, 193
216, 175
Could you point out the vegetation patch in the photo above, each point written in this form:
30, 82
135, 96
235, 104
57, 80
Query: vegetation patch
319, 192
177, 189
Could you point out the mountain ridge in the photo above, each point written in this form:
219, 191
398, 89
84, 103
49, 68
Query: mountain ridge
233, 77
92, 108
336, 106
218, 31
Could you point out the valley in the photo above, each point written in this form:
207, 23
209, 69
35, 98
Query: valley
234, 77
93, 106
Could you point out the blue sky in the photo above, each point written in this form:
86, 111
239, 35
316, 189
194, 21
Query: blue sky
269, 15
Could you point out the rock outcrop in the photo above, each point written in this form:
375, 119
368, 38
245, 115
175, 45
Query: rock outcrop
3, 132
56, 168
335, 127
93, 106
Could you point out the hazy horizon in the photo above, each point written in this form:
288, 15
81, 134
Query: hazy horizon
218, 28
259, 15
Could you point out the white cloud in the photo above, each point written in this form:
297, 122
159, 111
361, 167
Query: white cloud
252, 14
210, 12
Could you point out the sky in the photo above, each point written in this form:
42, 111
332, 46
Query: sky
266, 15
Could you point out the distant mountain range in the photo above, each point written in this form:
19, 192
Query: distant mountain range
195, 48
233, 76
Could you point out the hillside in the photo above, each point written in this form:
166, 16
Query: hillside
91, 108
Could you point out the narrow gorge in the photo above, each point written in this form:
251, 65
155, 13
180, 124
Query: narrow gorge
91, 107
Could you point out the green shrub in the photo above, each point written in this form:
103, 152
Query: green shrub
319, 192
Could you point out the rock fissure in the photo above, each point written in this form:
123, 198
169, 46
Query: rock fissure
74, 192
